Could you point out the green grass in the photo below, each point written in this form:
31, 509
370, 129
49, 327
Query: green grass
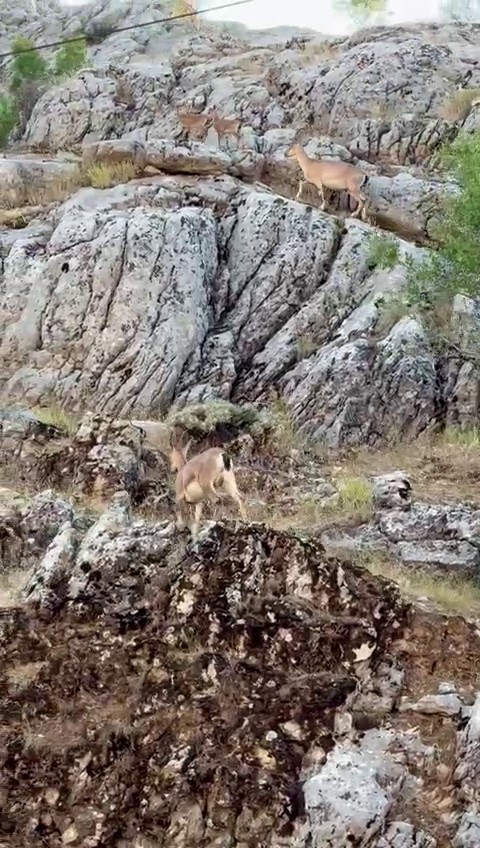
383, 252
355, 498
450, 593
468, 437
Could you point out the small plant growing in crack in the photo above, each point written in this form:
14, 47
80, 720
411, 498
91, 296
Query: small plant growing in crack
383, 252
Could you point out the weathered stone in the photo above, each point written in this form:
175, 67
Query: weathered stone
447, 705
392, 491
115, 152
37, 181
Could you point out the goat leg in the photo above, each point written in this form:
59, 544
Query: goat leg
182, 510
361, 200
322, 196
300, 186
196, 520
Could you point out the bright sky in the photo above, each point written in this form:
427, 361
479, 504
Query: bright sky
324, 16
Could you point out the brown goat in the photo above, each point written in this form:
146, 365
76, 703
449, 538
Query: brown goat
332, 174
197, 478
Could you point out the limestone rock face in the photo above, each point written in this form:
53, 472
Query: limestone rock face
208, 280
176, 288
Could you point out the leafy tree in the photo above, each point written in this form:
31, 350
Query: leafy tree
29, 66
454, 267
70, 57
8, 118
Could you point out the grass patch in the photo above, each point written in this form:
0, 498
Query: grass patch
54, 191
306, 345
99, 175
315, 50
286, 436
458, 105
14, 219
383, 252
355, 498
443, 468
106, 175
57, 417
450, 593
11, 583
467, 437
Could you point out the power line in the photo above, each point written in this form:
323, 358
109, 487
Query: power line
122, 29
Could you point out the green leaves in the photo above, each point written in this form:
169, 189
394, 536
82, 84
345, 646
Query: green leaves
30, 72
70, 58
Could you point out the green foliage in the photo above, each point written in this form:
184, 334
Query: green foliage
360, 12
383, 252
8, 118
454, 268
70, 57
26, 66
29, 71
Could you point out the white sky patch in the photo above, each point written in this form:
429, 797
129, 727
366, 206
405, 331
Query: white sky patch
331, 17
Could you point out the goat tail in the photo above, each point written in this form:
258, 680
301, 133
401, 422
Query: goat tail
227, 461
364, 181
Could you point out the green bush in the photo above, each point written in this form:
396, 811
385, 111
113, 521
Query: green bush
455, 267
383, 252
70, 57
29, 66
29, 72
8, 118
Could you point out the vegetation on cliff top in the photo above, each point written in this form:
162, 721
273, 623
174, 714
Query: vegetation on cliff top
29, 71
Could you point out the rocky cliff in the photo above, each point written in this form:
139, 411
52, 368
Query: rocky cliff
253, 689
202, 277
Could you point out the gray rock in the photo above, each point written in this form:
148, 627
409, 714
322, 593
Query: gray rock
440, 553
392, 491
54, 568
351, 796
468, 833
401, 834
467, 774
442, 704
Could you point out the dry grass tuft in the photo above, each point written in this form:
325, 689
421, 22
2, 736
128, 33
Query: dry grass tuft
450, 593
14, 219
11, 583
381, 110
355, 499
463, 437
286, 436
106, 175
315, 50
57, 417
458, 106
55, 191
306, 346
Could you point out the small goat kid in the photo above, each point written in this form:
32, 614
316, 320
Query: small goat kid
197, 478
327, 173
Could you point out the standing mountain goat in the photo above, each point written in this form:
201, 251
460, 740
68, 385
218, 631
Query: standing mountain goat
335, 175
197, 478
